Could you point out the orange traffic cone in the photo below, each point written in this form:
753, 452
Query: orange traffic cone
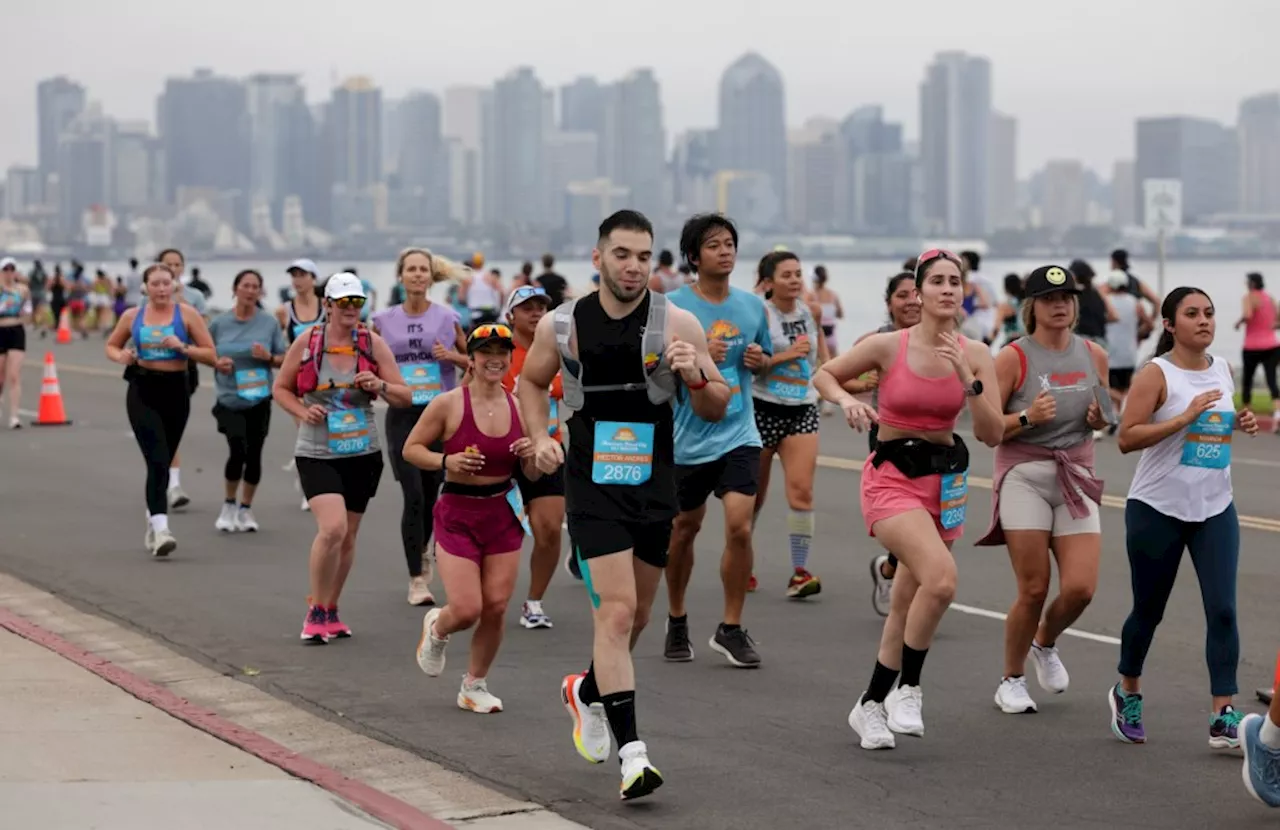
1265, 695
64, 330
52, 413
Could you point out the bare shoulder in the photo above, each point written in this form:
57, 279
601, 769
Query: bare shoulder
976, 349
683, 323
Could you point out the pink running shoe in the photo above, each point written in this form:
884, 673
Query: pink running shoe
315, 627
336, 627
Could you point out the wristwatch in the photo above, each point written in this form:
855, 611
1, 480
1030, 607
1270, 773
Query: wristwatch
975, 389
1024, 420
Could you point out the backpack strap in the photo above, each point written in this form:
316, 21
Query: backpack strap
659, 379
570, 367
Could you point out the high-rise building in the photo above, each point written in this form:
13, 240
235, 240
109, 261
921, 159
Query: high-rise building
813, 159
872, 191
137, 175
1259, 134
84, 169
58, 101
692, 170
1201, 153
1066, 195
355, 124
463, 124
280, 130
752, 132
569, 158
634, 140
422, 168
582, 110
513, 140
204, 126
955, 120
22, 191
1124, 211
1002, 172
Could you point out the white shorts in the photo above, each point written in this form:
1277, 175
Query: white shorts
1031, 499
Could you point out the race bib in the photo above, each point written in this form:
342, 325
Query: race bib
553, 418
424, 381
253, 384
622, 453
954, 499
1208, 441
348, 432
517, 506
149, 347
789, 381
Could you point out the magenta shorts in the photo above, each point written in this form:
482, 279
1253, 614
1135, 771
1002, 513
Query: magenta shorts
474, 528
886, 492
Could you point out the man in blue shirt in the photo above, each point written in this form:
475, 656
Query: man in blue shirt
721, 457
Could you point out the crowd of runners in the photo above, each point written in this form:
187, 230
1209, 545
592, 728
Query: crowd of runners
619, 413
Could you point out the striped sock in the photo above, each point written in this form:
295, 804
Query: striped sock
800, 524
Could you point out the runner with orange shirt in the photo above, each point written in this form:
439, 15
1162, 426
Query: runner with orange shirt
544, 498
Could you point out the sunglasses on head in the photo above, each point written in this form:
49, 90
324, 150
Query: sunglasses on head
932, 254
491, 330
525, 292
349, 302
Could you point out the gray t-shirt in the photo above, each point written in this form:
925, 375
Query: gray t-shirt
249, 382
790, 383
132, 288
349, 430
1122, 335
1070, 376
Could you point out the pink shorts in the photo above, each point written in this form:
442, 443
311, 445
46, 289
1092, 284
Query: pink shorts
474, 528
886, 492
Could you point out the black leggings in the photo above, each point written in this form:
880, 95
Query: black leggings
246, 432
420, 488
1267, 359
158, 407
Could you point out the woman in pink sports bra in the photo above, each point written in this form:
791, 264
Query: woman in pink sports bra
915, 484
479, 519
1261, 345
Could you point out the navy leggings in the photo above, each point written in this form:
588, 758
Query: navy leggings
1155, 543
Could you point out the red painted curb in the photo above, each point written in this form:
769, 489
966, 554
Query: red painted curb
378, 804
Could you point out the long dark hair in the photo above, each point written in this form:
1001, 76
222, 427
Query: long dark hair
769, 266
1169, 313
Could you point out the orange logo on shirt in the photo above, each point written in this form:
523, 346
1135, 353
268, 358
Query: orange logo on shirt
650, 361
723, 330
472, 449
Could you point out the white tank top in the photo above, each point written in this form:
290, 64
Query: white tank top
481, 296
1187, 476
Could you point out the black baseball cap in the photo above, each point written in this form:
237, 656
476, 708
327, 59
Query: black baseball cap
1048, 279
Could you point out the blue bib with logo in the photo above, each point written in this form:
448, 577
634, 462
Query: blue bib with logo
954, 499
424, 380
149, 347
517, 506
348, 432
790, 381
1208, 441
253, 384
622, 453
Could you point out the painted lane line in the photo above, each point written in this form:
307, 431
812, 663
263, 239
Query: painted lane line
996, 615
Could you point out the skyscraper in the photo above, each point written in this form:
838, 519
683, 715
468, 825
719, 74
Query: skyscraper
422, 168
463, 124
1201, 153
634, 140
513, 150
1259, 132
1002, 172
84, 168
752, 131
58, 101
203, 123
582, 110
955, 118
355, 124
275, 103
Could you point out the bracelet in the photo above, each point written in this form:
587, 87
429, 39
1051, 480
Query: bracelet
692, 388
444, 461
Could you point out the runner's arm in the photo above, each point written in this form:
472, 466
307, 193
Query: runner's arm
824, 352
540, 367
427, 431
529, 464
988, 415
710, 400
1145, 396
860, 384
832, 378
1008, 367
283, 390
120, 335
203, 351
458, 354
394, 389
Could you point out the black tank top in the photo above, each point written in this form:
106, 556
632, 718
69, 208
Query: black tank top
1093, 315
609, 351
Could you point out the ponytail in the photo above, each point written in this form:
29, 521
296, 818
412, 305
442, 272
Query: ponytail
443, 269
1169, 314
1164, 343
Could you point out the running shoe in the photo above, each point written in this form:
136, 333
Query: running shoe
315, 627
14, 423
881, 585
736, 645
428, 561
163, 543
338, 630
1012, 697
572, 566
871, 722
475, 697
1050, 672
803, 584
246, 522
1126, 716
148, 538
532, 616
590, 725
1261, 771
639, 777
226, 521
178, 498
430, 648
678, 649
306, 505
903, 710
420, 591
752, 584
1224, 728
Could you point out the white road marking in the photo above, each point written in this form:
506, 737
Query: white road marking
996, 615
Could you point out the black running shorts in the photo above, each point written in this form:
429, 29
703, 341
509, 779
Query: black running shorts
737, 471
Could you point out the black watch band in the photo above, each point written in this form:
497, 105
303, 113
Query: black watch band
1024, 420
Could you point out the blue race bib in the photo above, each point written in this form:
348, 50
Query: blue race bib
735, 400
954, 499
517, 506
253, 384
149, 347
622, 454
348, 432
424, 380
789, 381
1208, 441
553, 418
301, 328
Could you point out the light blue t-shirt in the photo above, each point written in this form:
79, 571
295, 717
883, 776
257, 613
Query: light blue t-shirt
740, 320
249, 382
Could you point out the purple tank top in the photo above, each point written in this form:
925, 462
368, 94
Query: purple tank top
411, 339
499, 460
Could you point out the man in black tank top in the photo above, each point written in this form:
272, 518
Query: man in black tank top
620, 505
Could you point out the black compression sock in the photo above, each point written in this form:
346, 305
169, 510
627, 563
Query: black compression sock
588, 691
620, 709
881, 683
912, 663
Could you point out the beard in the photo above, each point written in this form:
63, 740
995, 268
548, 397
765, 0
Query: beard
620, 293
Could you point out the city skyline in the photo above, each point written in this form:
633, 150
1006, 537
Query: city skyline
830, 60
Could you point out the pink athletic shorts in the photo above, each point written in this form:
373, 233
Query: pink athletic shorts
474, 528
887, 492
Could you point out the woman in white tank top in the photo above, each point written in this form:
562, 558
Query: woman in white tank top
1180, 413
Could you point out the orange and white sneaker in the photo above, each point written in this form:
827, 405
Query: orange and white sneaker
474, 696
590, 725
803, 584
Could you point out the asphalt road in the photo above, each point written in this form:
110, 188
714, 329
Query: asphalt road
740, 749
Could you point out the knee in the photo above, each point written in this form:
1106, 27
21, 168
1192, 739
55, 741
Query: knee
546, 530
640, 620
738, 535
939, 585
686, 526
800, 496
466, 612
494, 609
1077, 595
1034, 591
617, 617
1221, 619
333, 534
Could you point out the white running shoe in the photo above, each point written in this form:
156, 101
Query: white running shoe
245, 520
1050, 672
882, 586
590, 725
871, 722
428, 561
291, 466
420, 591
163, 543
306, 505
1012, 697
639, 777
431, 648
475, 697
902, 707
178, 498
226, 519
532, 615
148, 538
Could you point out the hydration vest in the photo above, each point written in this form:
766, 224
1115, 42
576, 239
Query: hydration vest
309, 368
660, 381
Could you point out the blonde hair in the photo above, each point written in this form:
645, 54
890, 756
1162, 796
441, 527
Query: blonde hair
442, 268
1027, 311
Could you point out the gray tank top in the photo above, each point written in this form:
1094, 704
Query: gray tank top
350, 429
790, 383
1070, 376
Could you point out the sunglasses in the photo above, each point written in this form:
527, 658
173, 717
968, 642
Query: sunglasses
525, 292
491, 330
932, 254
349, 302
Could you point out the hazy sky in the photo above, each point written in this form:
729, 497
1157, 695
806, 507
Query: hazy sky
1075, 74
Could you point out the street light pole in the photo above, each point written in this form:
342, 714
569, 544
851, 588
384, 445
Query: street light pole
1160, 264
